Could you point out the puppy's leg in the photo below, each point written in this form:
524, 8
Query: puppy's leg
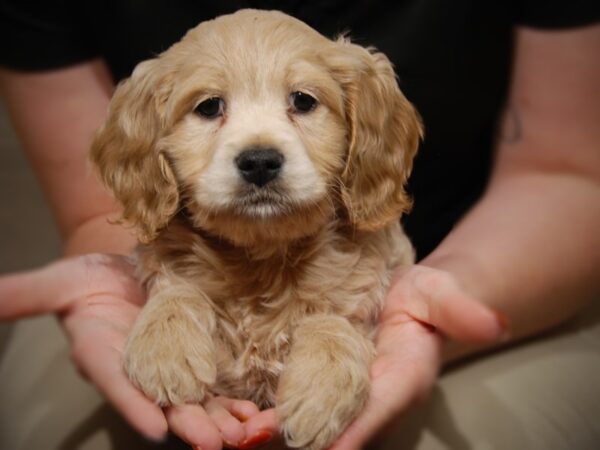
325, 383
170, 353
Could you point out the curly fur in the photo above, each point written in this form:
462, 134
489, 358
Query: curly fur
270, 295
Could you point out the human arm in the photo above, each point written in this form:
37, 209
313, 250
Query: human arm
530, 248
55, 114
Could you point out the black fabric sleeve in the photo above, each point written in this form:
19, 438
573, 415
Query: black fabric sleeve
555, 14
40, 35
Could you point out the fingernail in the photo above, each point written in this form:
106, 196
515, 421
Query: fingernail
262, 437
159, 439
240, 416
504, 325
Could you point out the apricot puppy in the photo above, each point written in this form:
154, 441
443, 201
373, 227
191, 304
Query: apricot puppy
263, 167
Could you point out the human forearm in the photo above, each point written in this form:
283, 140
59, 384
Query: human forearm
530, 249
55, 114
99, 234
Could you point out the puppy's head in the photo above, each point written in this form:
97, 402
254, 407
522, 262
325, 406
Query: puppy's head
262, 129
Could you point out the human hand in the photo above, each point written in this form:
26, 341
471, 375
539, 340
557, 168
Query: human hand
422, 305
98, 298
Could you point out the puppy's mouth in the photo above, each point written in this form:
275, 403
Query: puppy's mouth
263, 202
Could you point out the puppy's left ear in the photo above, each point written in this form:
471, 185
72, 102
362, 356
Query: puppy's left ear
384, 131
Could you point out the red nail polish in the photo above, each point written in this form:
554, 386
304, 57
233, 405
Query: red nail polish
504, 325
262, 437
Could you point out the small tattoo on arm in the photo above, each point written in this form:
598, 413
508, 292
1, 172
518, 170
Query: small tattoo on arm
512, 128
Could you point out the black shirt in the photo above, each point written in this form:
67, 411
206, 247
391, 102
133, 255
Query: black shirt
453, 59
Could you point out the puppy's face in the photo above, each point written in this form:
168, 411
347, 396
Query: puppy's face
259, 148
261, 133
254, 123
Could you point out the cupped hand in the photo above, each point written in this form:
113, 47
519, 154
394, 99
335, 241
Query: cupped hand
423, 305
98, 298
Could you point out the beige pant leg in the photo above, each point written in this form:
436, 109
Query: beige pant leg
46, 405
541, 395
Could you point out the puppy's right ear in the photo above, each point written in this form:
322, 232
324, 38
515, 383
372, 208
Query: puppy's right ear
125, 153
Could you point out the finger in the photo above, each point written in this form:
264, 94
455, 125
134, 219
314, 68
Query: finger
260, 429
434, 297
232, 431
102, 365
241, 409
192, 424
55, 287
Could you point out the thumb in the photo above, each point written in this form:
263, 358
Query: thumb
36, 291
55, 287
434, 297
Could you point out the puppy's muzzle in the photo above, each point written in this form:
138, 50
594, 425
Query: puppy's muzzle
259, 166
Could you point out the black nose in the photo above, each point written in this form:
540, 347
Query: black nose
259, 166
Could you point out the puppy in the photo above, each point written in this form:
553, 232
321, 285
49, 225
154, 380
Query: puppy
262, 166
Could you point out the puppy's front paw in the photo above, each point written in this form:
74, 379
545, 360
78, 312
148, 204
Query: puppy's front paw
315, 408
325, 383
171, 360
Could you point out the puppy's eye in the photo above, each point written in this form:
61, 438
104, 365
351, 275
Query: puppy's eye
211, 108
302, 102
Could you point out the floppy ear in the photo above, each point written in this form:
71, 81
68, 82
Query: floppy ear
125, 153
384, 131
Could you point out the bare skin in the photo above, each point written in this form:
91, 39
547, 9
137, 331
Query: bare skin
529, 248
